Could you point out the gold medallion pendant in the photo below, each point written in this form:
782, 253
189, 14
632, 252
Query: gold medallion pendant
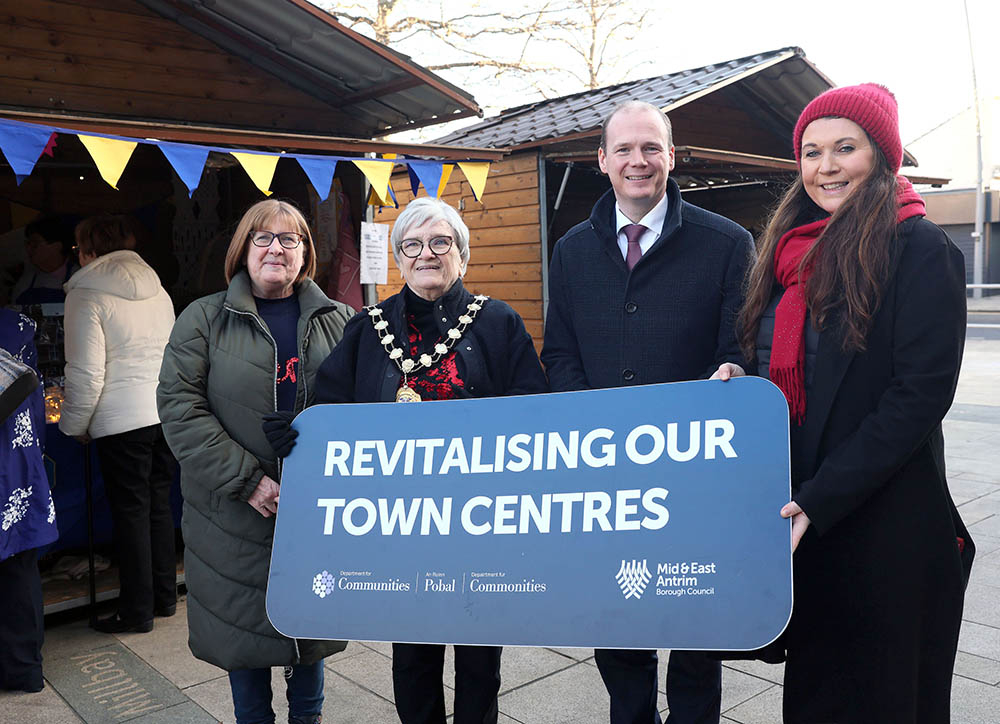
407, 394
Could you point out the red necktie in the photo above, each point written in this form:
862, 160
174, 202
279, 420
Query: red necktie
633, 232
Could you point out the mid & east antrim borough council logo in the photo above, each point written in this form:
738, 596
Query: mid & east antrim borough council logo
632, 577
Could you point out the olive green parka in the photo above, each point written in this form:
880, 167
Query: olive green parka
217, 380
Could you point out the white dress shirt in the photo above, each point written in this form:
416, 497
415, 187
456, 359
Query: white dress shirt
653, 221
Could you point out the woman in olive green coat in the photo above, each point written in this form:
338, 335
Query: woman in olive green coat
233, 357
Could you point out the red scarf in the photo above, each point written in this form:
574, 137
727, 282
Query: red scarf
788, 351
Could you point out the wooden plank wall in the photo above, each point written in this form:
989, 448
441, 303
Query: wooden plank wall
505, 236
116, 57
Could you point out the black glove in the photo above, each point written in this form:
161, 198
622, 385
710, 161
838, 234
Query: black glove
277, 428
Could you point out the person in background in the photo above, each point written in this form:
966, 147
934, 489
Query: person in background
856, 310
27, 520
432, 340
234, 357
118, 319
647, 290
48, 245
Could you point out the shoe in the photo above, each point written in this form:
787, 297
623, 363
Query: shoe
115, 624
165, 611
310, 719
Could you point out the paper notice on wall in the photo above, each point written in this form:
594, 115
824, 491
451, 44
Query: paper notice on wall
374, 253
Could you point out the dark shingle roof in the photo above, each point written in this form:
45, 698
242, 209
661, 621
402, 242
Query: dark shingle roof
585, 111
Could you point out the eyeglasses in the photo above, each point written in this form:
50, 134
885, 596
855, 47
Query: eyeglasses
287, 239
412, 248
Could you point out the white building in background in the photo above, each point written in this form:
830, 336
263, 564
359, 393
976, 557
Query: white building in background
949, 151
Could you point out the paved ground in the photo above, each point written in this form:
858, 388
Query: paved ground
153, 679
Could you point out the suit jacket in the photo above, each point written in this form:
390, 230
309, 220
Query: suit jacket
879, 575
672, 318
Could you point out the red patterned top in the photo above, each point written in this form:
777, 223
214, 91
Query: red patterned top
440, 382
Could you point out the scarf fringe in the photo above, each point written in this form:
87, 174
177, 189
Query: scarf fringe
792, 382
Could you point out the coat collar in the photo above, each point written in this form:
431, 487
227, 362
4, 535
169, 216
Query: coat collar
451, 304
311, 298
602, 221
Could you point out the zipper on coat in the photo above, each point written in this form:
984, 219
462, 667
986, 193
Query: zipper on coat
274, 345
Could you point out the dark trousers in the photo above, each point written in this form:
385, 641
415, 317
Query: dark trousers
419, 691
138, 471
694, 686
21, 625
252, 694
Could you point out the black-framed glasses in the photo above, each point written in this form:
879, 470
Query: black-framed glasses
287, 239
412, 248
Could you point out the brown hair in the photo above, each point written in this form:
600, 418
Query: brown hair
100, 235
255, 218
850, 260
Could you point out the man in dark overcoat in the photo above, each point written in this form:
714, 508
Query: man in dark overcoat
646, 290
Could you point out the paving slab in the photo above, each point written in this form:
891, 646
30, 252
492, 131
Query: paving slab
977, 667
165, 648
370, 669
765, 708
990, 525
111, 684
739, 687
973, 702
980, 640
569, 696
982, 601
775, 673
185, 713
44, 706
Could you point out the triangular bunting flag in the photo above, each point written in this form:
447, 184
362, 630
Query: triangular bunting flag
22, 144
50, 147
320, 172
377, 173
446, 170
390, 198
475, 173
259, 167
110, 155
187, 160
427, 173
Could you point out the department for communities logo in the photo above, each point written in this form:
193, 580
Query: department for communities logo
632, 577
323, 584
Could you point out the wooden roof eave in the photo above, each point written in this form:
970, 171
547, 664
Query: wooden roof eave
743, 161
223, 136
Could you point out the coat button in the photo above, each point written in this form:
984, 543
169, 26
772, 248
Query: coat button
444, 319
630, 307
628, 375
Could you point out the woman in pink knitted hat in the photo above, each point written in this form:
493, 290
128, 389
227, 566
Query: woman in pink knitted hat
856, 310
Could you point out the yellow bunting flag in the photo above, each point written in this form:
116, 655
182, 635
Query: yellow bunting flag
375, 200
110, 155
377, 173
446, 170
475, 172
259, 167
22, 215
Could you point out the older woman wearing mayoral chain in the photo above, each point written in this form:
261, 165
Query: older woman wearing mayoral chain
233, 357
432, 341
856, 310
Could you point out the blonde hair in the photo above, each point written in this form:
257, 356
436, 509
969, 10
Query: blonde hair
255, 218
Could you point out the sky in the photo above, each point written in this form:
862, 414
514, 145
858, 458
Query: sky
921, 52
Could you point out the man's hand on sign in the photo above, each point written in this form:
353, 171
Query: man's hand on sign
265, 498
726, 371
800, 522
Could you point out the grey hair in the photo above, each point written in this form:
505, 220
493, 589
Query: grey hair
429, 210
634, 106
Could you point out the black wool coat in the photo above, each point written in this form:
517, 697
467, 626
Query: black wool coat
496, 354
672, 318
879, 578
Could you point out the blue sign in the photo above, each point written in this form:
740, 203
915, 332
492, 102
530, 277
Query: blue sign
638, 517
